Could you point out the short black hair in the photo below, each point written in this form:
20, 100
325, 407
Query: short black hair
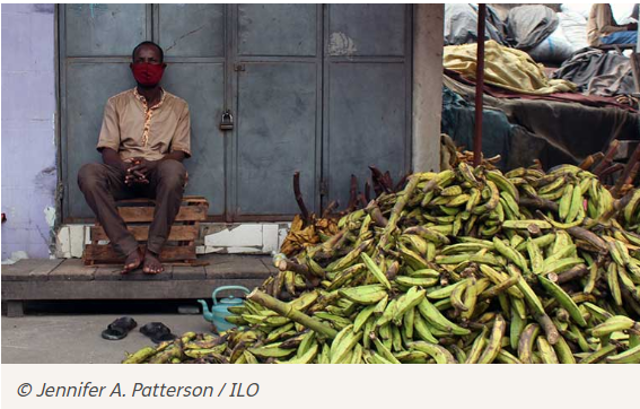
151, 43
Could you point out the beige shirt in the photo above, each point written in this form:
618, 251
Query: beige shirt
601, 23
133, 129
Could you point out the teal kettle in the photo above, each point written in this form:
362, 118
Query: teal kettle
220, 309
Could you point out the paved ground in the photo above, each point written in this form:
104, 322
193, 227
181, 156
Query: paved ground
76, 338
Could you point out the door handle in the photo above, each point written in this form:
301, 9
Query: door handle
226, 121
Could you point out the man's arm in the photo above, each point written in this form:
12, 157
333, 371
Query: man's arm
109, 138
605, 22
175, 155
110, 157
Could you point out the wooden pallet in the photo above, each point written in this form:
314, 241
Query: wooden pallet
138, 214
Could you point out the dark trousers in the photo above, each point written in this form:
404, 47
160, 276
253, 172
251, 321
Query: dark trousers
102, 185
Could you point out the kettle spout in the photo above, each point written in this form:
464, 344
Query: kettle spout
206, 312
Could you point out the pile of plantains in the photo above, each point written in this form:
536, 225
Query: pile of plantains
462, 266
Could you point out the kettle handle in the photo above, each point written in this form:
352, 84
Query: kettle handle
227, 287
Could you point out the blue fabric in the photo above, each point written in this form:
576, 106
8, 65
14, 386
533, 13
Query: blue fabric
458, 120
620, 37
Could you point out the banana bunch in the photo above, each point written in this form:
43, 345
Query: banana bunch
630, 217
189, 348
467, 157
451, 155
479, 310
468, 265
570, 194
300, 236
574, 197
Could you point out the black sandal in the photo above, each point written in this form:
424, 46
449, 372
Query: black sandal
119, 328
158, 332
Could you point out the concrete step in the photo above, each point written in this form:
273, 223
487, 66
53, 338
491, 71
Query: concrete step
58, 280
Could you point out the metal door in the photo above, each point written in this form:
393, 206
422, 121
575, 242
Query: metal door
367, 94
278, 63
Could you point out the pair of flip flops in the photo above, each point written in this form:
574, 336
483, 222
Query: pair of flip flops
120, 328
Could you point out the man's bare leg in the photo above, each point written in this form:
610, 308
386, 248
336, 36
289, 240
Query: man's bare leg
132, 262
152, 264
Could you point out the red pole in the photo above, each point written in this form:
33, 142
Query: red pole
477, 136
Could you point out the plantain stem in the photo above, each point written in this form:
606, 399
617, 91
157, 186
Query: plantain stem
288, 311
401, 201
373, 209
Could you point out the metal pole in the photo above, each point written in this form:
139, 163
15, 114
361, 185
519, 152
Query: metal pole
477, 136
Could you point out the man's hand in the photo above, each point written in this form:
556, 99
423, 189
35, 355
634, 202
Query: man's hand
142, 166
112, 158
135, 177
137, 171
632, 26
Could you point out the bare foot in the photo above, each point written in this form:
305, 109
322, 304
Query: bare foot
151, 264
132, 262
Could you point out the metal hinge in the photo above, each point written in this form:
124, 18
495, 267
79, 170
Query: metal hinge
239, 67
324, 187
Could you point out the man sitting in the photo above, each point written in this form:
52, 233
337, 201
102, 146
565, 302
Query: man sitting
145, 136
603, 29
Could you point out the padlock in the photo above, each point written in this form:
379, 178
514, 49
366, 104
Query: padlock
226, 122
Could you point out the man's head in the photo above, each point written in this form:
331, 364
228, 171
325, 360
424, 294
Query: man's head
147, 64
147, 51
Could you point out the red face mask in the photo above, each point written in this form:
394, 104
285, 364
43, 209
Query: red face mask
148, 75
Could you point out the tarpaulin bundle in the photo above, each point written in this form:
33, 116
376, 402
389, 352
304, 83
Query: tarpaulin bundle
505, 67
569, 97
527, 26
598, 73
461, 25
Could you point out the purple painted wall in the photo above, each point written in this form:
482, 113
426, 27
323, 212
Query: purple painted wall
28, 136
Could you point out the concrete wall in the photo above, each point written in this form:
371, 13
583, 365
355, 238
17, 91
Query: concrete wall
233, 238
428, 37
29, 172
